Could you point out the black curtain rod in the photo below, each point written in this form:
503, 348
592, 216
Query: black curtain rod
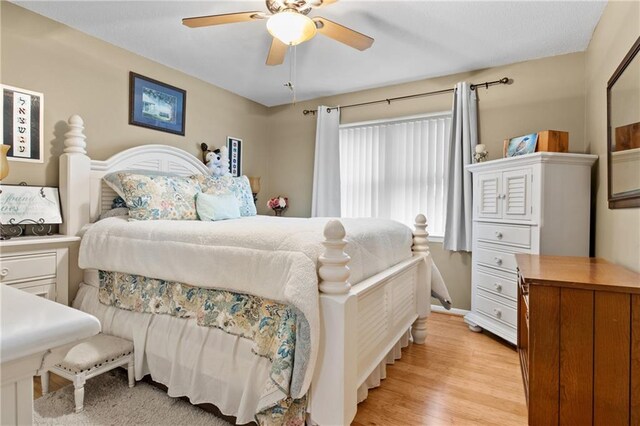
486, 85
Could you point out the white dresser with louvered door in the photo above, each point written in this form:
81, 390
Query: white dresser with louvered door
537, 203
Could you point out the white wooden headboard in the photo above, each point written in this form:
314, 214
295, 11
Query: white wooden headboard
83, 193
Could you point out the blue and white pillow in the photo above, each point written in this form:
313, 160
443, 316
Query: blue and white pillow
160, 197
238, 186
113, 181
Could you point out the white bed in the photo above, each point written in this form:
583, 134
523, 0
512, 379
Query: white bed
361, 322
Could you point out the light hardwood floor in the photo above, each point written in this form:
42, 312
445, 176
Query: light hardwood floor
456, 378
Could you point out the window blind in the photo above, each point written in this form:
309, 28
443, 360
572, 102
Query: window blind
395, 169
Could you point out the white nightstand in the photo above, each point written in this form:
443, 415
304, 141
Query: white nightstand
38, 265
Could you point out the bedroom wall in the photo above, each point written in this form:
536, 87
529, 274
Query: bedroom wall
546, 94
80, 74
617, 231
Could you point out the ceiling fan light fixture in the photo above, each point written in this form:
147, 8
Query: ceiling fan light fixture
291, 27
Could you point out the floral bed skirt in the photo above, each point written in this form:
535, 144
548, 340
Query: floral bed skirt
279, 332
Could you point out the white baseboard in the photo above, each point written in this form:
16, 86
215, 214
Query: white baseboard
452, 311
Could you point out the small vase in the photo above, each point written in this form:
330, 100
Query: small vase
278, 211
4, 164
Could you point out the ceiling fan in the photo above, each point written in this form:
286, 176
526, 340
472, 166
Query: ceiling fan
288, 23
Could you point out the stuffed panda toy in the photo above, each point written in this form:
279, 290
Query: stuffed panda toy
217, 160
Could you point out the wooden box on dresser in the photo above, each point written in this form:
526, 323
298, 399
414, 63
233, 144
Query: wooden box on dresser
38, 265
579, 340
537, 203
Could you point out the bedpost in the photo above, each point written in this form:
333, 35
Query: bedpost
334, 387
421, 247
75, 170
334, 271
420, 234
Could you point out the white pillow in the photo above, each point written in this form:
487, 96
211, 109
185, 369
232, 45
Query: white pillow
217, 207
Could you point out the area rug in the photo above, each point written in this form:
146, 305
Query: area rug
108, 400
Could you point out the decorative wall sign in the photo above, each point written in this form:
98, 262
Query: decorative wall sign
156, 105
29, 204
22, 113
235, 156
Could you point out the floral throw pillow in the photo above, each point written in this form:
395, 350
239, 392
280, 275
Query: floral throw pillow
238, 186
160, 197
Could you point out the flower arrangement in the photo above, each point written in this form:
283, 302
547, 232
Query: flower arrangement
278, 204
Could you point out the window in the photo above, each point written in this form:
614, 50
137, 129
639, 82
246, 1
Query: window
395, 169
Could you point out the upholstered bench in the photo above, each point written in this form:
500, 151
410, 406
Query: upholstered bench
91, 358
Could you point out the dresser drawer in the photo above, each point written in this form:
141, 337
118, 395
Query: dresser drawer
28, 267
494, 282
495, 259
519, 235
496, 310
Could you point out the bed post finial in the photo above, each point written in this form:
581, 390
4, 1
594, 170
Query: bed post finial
420, 234
75, 175
334, 272
74, 139
421, 246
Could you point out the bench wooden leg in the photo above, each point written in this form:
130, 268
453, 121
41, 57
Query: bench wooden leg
78, 384
44, 382
130, 372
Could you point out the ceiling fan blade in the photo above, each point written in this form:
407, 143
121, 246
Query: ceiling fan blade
343, 34
277, 52
227, 18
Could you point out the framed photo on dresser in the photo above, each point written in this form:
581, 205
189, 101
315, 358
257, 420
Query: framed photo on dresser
521, 145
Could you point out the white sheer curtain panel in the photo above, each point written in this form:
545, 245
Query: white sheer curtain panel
464, 138
325, 200
394, 169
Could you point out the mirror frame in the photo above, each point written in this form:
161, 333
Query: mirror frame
632, 199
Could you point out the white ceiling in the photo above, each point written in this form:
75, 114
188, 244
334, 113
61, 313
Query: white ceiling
413, 40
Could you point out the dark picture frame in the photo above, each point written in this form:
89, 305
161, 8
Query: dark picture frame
629, 199
156, 105
22, 113
234, 147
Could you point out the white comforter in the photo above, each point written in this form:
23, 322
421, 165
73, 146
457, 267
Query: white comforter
270, 257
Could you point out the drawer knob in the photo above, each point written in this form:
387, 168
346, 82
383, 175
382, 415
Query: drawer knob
499, 235
498, 260
498, 287
497, 312
4, 272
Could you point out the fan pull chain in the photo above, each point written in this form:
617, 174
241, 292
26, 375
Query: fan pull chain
292, 73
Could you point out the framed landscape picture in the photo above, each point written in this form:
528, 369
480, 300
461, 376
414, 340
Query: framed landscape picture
156, 105
234, 145
22, 113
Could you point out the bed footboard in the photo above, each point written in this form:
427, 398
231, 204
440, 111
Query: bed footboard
361, 323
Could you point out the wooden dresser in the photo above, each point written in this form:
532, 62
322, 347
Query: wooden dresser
579, 340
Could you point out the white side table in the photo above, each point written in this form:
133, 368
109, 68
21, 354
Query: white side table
35, 334
38, 265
